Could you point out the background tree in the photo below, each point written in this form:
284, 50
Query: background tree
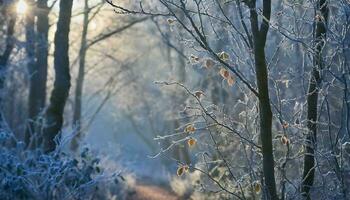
10, 19
89, 14
59, 95
321, 19
37, 50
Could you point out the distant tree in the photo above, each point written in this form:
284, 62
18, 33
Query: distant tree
88, 16
315, 81
60, 92
80, 79
37, 53
10, 20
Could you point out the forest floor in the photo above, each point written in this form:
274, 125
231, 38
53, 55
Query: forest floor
151, 192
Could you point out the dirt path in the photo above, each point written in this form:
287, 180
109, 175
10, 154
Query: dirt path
147, 192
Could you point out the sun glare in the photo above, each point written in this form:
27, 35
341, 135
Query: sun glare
21, 7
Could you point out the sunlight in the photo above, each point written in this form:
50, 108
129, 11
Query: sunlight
93, 25
21, 7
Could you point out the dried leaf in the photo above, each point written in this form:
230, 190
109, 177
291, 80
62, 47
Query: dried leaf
191, 142
209, 63
257, 187
224, 56
182, 169
285, 140
224, 73
230, 81
190, 128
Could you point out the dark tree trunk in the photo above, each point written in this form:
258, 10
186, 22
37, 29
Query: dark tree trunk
265, 113
80, 80
312, 100
60, 92
4, 58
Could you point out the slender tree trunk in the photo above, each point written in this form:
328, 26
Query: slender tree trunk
42, 51
4, 58
265, 113
312, 100
31, 65
80, 80
265, 121
60, 92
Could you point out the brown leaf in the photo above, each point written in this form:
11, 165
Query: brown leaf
257, 187
230, 81
191, 142
285, 140
209, 63
224, 73
190, 128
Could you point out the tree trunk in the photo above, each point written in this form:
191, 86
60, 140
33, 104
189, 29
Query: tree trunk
80, 80
37, 51
60, 92
265, 113
4, 58
312, 100
42, 51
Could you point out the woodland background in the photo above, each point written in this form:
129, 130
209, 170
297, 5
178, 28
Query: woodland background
174, 99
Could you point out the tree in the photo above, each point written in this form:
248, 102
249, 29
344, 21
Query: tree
255, 40
60, 92
84, 47
315, 81
265, 113
80, 79
10, 17
37, 50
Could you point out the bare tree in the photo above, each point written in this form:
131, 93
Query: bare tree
259, 40
315, 81
60, 92
10, 17
37, 50
84, 47
80, 79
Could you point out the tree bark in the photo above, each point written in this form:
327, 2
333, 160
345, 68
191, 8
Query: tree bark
60, 92
265, 113
312, 100
80, 79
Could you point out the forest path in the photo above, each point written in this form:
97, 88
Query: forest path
151, 192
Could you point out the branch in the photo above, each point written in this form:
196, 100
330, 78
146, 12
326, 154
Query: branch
118, 30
